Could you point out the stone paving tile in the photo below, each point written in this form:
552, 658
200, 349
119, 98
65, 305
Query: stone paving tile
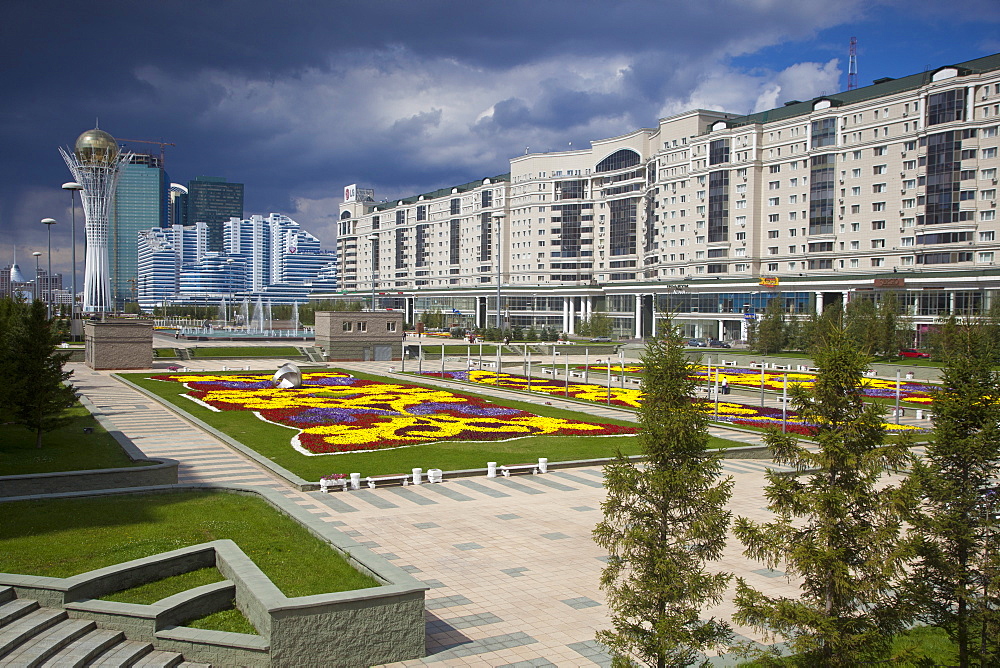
426, 525
593, 651
464, 622
446, 602
369, 496
519, 486
483, 645
514, 572
554, 536
582, 509
482, 489
530, 663
581, 602
508, 516
468, 546
445, 490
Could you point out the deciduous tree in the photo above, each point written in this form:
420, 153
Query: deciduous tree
664, 521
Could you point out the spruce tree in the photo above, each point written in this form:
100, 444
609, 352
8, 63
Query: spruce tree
953, 581
771, 336
37, 394
835, 526
663, 522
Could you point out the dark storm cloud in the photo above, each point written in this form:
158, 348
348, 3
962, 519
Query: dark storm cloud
296, 99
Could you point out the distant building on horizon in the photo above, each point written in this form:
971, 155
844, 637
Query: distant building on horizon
140, 203
213, 200
270, 257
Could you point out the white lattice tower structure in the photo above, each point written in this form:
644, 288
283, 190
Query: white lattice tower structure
96, 164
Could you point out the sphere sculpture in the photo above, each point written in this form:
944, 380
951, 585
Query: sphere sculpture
287, 376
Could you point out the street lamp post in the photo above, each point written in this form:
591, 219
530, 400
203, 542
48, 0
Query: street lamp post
49, 222
38, 282
498, 219
373, 238
73, 187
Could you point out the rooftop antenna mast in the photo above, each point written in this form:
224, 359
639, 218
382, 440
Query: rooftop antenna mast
852, 65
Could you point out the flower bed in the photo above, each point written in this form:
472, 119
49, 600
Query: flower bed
335, 412
917, 393
731, 412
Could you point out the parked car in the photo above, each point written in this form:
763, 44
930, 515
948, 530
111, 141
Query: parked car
913, 352
601, 339
697, 343
715, 343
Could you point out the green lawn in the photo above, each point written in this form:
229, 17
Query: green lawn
920, 646
64, 449
245, 351
163, 353
272, 441
230, 619
64, 537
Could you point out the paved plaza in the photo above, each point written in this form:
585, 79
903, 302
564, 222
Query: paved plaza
512, 570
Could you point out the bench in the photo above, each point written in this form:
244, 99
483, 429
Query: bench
781, 367
372, 480
507, 470
327, 485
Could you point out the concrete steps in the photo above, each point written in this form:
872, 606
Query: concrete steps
121, 655
22, 629
159, 659
34, 651
85, 649
31, 635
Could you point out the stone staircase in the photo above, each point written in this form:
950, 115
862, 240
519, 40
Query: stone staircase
32, 635
312, 354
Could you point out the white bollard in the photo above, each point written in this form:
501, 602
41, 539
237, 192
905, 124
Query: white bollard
355, 481
909, 375
543, 465
920, 414
435, 475
416, 476
491, 469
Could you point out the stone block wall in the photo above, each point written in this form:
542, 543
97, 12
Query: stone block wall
119, 344
360, 335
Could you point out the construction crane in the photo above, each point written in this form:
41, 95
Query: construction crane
161, 144
852, 65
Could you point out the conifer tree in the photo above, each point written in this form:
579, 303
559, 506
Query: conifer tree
953, 582
835, 526
36, 393
663, 522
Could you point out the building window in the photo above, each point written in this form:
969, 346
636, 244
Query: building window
946, 107
346, 326
362, 326
390, 326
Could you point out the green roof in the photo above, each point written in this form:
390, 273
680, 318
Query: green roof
881, 89
442, 192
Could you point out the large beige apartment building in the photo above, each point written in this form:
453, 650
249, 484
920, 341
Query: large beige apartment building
887, 188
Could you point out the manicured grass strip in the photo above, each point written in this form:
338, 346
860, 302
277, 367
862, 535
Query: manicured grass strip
151, 592
919, 646
64, 537
63, 449
161, 353
230, 619
245, 351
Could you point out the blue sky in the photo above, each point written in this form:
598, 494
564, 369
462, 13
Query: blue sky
297, 99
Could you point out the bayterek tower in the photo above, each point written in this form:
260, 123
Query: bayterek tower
96, 165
